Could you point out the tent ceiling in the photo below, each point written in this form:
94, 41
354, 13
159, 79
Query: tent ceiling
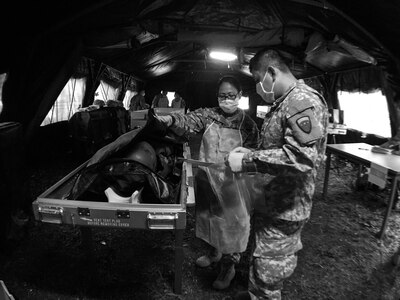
149, 39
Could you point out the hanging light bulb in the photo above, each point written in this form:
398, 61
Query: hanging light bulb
223, 55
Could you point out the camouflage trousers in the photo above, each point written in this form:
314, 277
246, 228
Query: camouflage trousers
274, 247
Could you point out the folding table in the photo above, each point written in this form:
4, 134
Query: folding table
361, 154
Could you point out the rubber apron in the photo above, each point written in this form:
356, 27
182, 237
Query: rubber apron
211, 214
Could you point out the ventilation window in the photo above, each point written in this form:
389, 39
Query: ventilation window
366, 112
67, 103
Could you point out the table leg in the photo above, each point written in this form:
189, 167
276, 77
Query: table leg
389, 207
327, 169
178, 261
359, 171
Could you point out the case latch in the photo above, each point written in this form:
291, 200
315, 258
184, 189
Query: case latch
123, 214
83, 212
51, 214
161, 220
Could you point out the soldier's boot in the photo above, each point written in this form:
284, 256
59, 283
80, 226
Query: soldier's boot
225, 276
206, 260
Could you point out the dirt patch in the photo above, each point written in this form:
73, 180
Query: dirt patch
342, 257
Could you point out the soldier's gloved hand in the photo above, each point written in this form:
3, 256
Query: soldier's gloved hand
241, 150
235, 160
167, 120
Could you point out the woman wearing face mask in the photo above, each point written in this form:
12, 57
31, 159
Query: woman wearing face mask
223, 128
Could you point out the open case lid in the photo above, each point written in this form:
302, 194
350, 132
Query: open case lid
136, 162
154, 130
53, 206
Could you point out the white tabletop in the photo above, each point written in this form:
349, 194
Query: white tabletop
363, 151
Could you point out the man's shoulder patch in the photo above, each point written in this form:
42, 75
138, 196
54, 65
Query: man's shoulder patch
305, 126
304, 123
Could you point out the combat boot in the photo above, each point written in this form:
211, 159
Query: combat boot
206, 260
225, 277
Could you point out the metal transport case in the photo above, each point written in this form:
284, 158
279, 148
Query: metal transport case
139, 117
52, 207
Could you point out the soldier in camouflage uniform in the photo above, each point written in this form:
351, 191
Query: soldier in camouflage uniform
223, 128
291, 148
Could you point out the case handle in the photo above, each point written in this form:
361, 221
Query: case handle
163, 221
51, 214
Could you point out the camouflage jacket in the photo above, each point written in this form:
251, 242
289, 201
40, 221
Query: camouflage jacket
291, 148
197, 121
138, 102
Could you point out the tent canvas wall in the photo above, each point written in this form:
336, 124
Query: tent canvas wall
169, 40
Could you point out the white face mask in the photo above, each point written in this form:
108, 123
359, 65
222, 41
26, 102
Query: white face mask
229, 106
268, 97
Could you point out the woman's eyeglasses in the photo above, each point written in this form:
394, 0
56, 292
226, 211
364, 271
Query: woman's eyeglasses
227, 96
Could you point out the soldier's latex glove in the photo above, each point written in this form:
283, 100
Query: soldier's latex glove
167, 120
235, 161
241, 150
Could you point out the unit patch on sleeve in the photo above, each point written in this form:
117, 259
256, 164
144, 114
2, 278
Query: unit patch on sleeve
304, 123
305, 127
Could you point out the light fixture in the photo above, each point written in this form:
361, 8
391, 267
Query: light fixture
223, 55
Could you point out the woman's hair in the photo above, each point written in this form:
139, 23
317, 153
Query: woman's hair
231, 80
